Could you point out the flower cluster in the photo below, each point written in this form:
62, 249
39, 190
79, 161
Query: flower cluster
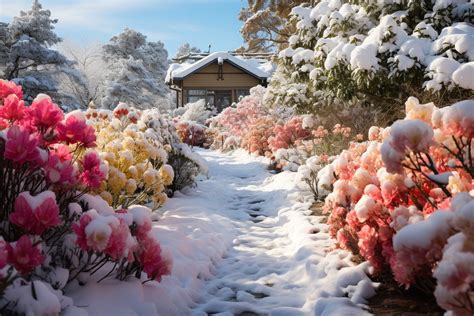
53, 228
288, 138
404, 200
135, 145
191, 133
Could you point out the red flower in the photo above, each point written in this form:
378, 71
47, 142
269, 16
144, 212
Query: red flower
21, 146
154, 265
13, 109
8, 87
35, 214
92, 174
58, 170
43, 114
79, 229
74, 130
117, 245
23, 255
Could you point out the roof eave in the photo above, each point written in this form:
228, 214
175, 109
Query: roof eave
211, 62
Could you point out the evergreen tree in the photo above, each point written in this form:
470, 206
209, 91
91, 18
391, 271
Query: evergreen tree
137, 71
26, 56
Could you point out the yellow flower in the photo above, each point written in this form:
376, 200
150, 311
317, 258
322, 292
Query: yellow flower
150, 176
130, 186
107, 197
128, 143
117, 181
133, 172
167, 174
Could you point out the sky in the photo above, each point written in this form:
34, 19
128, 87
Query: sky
174, 22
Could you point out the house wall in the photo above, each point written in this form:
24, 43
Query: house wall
207, 78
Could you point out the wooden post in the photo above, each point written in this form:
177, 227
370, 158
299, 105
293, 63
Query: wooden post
177, 99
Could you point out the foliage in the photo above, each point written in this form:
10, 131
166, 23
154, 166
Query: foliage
186, 170
265, 27
288, 138
375, 55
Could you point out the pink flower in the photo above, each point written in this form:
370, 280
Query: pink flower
367, 244
21, 146
13, 109
59, 171
62, 152
458, 119
35, 214
7, 88
79, 229
3, 253
117, 245
414, 135
23, 255
154, 265
92, 172
74, 130
43, 114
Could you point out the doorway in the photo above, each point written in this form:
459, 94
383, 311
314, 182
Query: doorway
223, 99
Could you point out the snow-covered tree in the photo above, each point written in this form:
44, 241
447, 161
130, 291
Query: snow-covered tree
376, 53
136, 72
184, 50
264, 24
91, 66
26, 56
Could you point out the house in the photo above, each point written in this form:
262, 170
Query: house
220, 78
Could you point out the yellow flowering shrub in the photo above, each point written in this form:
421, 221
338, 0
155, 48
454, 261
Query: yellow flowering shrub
135, 144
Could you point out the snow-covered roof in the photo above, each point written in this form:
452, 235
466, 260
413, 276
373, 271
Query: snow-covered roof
254, 67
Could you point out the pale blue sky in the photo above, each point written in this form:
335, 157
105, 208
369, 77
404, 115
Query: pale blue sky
199, 22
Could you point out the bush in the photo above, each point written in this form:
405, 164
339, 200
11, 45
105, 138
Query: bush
373, 56
135, 144
403, 200
187, 165
51, 228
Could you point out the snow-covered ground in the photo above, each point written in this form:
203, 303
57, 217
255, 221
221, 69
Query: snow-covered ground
243, 243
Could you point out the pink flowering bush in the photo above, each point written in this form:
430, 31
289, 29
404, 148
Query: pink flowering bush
256, 140
191, 133
404, 201
238, 121
50, 218
288, 134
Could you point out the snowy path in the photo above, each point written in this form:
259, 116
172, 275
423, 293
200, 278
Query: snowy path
274, 259
243, 242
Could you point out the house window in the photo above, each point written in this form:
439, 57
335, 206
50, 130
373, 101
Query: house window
241, 93
196, 95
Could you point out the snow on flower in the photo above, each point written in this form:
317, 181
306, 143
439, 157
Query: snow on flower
93, 171
35, 214
23, 255
74, 130
44, 114
21, 146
